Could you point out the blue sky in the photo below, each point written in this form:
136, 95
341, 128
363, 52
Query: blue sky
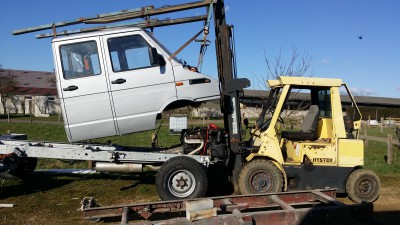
327, 30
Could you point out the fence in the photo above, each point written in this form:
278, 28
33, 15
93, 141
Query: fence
391, 153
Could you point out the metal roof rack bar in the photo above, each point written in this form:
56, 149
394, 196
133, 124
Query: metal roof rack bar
112, 17
77, 21
142, 24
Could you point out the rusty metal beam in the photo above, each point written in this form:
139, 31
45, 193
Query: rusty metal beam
301, 207
112, 17
142, 24
150, 12
76, 21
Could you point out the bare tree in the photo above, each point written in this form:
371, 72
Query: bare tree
15, 102
19, 100
41, 103
297, 65
8, 85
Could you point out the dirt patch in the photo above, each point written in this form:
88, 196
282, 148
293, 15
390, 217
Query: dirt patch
387, 207
45, 200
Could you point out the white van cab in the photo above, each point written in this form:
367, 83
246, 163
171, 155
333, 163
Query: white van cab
117, 81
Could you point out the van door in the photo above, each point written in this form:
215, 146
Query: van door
84, 94
139, 89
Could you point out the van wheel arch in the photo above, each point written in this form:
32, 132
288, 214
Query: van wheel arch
180, 103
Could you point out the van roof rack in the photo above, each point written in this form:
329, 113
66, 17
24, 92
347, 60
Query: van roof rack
123, 15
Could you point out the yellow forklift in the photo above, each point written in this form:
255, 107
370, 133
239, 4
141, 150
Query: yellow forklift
324, 152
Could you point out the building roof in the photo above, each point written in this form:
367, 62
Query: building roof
32, 82
360, 100
43, 83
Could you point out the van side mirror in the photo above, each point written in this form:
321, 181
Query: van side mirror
155, 58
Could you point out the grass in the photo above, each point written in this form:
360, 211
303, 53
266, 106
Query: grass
37, 132
53, 199
56, 133
376, 132
374, 152
45, 199
51, 118
374, 160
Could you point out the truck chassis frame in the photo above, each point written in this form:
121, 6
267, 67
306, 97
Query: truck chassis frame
93, 152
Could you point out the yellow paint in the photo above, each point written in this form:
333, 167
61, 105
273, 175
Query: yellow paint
351, 152
325, 128
269, 147
319, 153
337, 115
306, 81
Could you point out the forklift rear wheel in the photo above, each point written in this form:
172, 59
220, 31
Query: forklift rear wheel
363, 186
24, 167
181, 178
260, 176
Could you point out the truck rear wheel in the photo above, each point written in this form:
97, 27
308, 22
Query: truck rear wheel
260, 176
363, 186
181, 178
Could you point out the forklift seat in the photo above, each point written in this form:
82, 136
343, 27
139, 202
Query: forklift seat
309, 127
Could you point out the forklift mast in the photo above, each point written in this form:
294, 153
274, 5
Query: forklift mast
230, 85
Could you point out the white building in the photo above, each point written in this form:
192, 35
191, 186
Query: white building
26, 92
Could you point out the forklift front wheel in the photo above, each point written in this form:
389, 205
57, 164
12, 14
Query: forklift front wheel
363, 186
181, 178
260, 176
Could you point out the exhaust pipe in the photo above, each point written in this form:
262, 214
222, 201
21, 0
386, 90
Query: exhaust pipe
124, 167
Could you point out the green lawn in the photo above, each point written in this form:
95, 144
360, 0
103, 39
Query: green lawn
51, 118
376, 132
56, 133
45, 199
374, 152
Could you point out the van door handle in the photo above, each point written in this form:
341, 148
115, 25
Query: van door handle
118, 81
71, 88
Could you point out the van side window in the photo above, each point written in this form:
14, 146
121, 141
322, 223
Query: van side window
129, 53
80, 60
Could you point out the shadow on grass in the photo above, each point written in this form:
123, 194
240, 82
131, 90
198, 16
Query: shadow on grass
41, 182
387, 217
218, 182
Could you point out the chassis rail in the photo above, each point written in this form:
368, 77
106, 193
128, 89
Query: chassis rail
295, 208
103, 153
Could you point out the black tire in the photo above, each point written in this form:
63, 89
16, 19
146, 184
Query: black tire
25, 166
363, 186
181, 178
260, 176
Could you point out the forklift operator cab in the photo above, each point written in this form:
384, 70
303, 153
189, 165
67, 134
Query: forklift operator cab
322, 153
118, 81
309, 128
322, 130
